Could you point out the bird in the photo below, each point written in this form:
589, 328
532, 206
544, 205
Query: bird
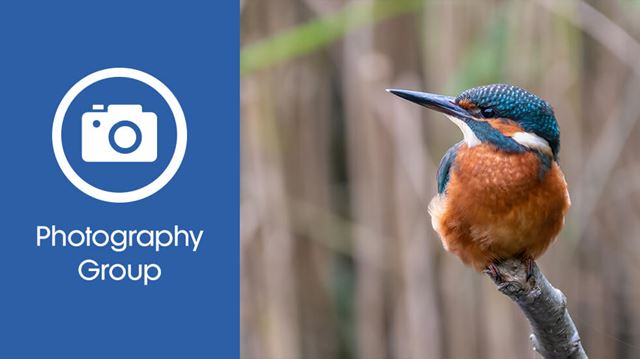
500, 191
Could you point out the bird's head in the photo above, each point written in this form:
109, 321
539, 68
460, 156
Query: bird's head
506, 116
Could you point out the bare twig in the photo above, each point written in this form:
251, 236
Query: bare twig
554, 334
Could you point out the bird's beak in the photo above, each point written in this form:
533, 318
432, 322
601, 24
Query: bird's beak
440, 103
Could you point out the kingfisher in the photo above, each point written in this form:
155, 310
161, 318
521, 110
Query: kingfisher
501, 192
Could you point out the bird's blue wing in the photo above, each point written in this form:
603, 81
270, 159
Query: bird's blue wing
445, 166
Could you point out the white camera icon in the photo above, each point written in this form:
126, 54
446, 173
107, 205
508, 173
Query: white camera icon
123, 133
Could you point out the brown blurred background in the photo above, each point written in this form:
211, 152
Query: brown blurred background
338, 258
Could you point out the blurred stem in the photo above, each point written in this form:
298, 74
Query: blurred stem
484, 60
609, 145
317, 33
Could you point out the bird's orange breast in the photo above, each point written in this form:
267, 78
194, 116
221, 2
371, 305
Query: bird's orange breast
497, 206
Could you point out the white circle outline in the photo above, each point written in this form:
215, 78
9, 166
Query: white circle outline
169, 171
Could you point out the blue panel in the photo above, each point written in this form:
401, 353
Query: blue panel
46, 309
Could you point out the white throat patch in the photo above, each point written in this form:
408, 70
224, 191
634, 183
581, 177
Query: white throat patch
470, 138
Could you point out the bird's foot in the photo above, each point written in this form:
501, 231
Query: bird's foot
530, 267
493, 272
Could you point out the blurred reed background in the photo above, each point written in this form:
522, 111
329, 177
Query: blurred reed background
338, 258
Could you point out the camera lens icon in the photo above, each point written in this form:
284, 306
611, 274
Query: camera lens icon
122, 133
133, 136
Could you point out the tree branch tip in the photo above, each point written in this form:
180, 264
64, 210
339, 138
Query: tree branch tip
544, 306
534, 342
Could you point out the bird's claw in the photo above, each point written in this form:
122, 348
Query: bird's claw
493, 272
530, 267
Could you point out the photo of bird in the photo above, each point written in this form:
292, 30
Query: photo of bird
371, 228
501, 192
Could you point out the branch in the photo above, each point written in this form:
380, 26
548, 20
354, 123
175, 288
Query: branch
554, 334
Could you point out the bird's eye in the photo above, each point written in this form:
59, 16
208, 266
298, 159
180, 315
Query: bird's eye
488, 113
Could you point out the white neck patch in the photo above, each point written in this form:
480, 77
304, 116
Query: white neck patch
470, 138
533, 141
